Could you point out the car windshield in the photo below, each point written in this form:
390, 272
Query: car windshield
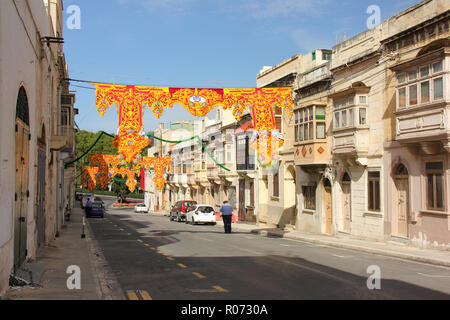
189, 203
96, 205
206, 209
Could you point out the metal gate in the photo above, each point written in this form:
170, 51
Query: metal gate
40, 197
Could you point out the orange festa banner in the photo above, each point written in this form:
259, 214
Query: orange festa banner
131, 101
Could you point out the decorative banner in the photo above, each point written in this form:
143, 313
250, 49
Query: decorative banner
103, 162
88, 177
267, 145
130, 174
131, 100
158, 164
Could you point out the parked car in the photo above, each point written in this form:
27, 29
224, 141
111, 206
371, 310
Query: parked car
97, 210
141, 208
98, 199
201, 213
85, 199
178, 211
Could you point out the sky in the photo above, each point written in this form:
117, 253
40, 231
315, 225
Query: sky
198, 43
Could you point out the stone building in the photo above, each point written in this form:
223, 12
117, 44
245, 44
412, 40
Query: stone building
312, 128
415, 50
277, 188
33, 130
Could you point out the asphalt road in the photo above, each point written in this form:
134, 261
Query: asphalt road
154, 258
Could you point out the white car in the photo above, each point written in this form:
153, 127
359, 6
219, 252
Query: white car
200, 213
141, 208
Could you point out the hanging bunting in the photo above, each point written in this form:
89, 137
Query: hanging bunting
158, 164
102, 161
130, 101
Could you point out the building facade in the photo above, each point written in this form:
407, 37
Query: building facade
32, 93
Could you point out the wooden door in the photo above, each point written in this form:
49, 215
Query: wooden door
21, 193
241, 212
402, 206
328, 210
346, 207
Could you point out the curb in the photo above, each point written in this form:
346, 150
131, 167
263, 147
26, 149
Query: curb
355, 247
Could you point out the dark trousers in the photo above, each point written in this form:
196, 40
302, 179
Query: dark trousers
227, 223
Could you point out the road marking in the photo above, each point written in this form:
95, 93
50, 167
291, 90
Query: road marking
199, 275
153, 248
170, 258
220, 289
160, 252
146, 244
335, 255
204, 290
139, 240
432, 275
145, 295
288, 245
181, 265
132, 295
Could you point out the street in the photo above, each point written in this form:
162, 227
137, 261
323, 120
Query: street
154, 258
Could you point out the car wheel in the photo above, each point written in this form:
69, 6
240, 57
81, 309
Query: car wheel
178, 218
213, 223
193, 221
103, 216
170, 217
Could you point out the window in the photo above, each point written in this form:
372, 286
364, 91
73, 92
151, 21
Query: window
374, 191
276, 185
65, 113
306, 119
413, 95
362, 116
326, 56
438, 88
362, 99
424, 71
412, 75
402, 97
320, 130
314, 56
435, 185
351, 121
425, 92
337, 123
437, 67
309, 197
420, 85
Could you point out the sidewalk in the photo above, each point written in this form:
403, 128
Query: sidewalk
97, 280
431, 256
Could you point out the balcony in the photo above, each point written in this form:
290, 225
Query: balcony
213, 173
351, 142
423, 101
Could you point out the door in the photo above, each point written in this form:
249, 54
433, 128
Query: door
328, 210
346, 206
21, 193
40, 198
241, 212
402, 206
402, 184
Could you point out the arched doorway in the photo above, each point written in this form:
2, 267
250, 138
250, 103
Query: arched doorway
22, 136
327, 206
401, 178
346, 203
41, 186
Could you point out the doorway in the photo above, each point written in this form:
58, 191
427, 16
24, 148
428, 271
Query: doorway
346, 203
41, 186
328, 206
401, 178
22, 136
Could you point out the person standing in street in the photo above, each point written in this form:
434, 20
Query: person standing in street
227, 213
88, 207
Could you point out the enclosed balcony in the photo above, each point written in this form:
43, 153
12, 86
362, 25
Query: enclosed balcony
423, 101
350, 123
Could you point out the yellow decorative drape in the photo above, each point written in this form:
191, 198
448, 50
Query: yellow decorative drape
131, 100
